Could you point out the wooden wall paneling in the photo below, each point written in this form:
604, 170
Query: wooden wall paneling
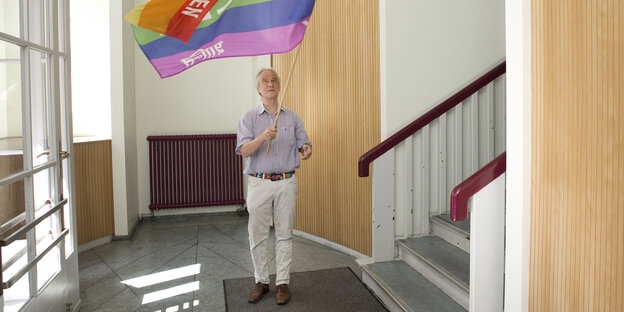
335, 90
577, 206
94, 190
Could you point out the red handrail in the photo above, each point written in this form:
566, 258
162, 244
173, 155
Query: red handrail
395, 139
462, 192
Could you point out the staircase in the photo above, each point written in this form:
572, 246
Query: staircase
421, 260
431, 272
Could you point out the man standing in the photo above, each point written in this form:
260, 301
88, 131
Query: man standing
272, 188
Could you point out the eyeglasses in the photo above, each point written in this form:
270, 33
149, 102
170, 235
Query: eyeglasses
273, 81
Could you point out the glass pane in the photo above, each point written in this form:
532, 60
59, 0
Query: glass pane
48, 230
65, 142
62, 25
16, 296
11, 150
43, 190
10, 17
64, 104
39, 99
67, 211
37, 27
48, 266
14, 257
12, 208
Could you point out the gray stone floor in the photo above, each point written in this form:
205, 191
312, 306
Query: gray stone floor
218, 243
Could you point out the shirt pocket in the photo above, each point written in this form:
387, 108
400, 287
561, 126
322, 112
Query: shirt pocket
289, 136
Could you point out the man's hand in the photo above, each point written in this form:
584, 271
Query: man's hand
306, 152
270, 133
252, 146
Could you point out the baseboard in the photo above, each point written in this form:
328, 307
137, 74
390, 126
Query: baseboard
95, 243
191, 211
150, 217
129, 236
331, 244
76, 307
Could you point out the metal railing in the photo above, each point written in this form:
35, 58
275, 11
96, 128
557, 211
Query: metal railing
480, 179
424, 120
22, 231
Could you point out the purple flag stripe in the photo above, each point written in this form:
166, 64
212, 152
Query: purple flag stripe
273, 40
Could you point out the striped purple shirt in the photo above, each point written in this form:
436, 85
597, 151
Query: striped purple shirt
284, 153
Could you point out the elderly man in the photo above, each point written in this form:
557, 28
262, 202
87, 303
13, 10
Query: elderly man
272, 188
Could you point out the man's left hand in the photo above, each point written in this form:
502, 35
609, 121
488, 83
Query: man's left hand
306, 152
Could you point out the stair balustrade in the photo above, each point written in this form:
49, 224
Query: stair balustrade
435, 183
448, 264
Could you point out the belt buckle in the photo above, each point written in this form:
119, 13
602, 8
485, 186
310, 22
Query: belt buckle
276, 177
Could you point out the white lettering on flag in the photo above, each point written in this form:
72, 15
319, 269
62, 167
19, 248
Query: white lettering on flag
204, 54
192, 12
197, 3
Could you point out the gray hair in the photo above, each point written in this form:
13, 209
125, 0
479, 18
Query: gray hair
279, 82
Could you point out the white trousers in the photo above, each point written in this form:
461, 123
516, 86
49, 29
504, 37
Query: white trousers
266, 198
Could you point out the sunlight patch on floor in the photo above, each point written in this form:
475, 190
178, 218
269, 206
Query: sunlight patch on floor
165, 276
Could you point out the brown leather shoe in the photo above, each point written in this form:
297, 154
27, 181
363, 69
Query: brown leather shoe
257, 292
283, 295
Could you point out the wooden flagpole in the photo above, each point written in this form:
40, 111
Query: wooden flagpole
279, 108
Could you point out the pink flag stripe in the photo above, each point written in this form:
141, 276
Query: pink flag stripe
273, 40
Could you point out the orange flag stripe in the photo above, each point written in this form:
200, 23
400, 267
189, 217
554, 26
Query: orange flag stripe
185, 21
157, 13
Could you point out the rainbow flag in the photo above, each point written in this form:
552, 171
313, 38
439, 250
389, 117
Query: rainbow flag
230, 28
174, 18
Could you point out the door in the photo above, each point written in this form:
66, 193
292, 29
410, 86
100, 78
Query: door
38, 246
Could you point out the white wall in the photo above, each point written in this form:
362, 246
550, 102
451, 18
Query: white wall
90, 45
123, 111
518, 201
10, 83
434, 48
208, 98
129, 99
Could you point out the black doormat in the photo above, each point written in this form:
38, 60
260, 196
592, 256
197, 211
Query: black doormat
325, 290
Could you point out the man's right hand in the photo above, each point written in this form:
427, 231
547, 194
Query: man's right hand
270, 133
252, 146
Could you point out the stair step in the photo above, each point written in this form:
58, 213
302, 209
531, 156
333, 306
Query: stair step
456, 233
463, 225
403, 289
445, 265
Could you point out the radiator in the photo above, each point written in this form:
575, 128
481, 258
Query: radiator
194, 171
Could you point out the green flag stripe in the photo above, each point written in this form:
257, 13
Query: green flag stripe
144, 36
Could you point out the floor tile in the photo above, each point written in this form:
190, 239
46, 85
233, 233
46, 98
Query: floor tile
234, 253
220, 245
101, 292
87, 258
212, 234
209, 297
215, 268
92, 274
125, 301
149, 263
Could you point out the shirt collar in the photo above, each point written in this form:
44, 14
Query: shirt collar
261, 109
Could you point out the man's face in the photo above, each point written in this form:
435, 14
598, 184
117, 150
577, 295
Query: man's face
268, 84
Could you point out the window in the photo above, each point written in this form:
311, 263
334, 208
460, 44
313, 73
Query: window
35, 233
